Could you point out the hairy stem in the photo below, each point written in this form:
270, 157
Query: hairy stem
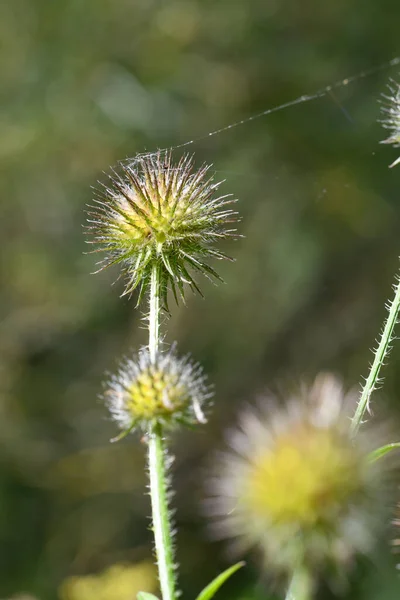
379, 359
158, 467
301, 586
160, 513
154, 313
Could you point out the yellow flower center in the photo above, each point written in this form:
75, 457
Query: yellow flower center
305, 478
156, 394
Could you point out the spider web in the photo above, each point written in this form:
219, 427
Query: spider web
322, 92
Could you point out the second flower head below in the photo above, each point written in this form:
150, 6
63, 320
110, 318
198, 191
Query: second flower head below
169, 391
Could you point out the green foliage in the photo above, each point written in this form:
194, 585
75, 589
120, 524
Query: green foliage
383, 451
212, 588
146, 596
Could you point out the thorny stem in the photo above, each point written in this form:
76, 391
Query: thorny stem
158, 467
301, 586
379, 360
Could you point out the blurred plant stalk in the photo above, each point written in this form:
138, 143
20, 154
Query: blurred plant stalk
301, 586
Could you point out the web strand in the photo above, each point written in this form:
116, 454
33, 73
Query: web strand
304, 98
327, 90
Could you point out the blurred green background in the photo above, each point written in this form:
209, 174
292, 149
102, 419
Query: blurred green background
85, 83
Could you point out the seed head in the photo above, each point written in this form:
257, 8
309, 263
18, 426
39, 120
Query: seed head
391, 109
396, 525
297, 485
169, 390
155, 212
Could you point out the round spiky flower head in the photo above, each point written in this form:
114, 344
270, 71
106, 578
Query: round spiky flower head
396, 539
298, 485
158, 213
391, 108
168, 390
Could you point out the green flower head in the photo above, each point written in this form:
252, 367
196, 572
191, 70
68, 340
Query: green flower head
168, 391
157, 213
391, 109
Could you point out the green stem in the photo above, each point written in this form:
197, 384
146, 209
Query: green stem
154, 313
379, 359
161, 514
158, 467
301, 586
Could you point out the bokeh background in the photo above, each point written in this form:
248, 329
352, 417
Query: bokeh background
85, 83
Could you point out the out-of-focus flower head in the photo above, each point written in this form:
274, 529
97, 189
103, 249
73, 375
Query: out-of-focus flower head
168, 390
121, 581
155, 212
391, 110
297, 484
396, 540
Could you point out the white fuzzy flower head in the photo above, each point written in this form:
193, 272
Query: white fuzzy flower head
296, 484
391, 110
168, 391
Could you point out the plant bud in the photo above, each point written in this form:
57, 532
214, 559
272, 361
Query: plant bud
157, 213
168, 391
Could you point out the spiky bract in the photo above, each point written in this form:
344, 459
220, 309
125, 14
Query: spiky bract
168, 391
298, 485
391, 109
154, 211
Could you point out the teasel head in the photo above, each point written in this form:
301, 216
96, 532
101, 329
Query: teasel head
155, 212
391, 110
396, 536
297, 485
167, 390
